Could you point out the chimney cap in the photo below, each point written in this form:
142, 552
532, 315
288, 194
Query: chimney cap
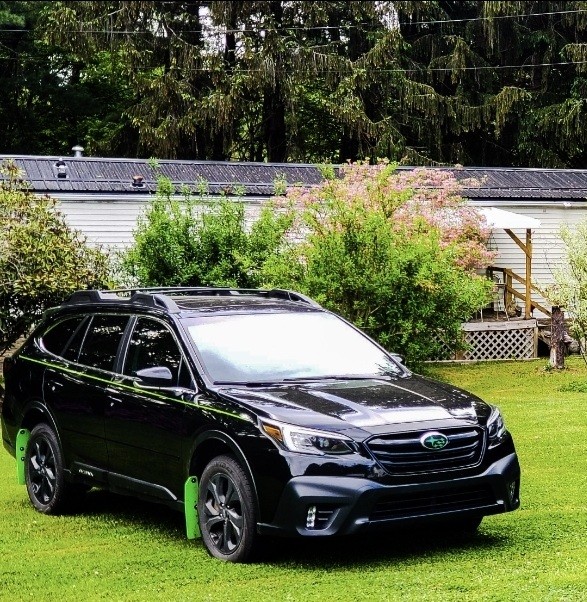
77, 150
138, 181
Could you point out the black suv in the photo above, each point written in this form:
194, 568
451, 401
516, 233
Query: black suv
254, 412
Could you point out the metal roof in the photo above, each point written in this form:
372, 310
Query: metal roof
111, 175
101, 175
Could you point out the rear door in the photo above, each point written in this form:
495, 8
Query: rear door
76, 386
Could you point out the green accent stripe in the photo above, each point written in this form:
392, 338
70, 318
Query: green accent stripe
190, 503
22, 441
146, 392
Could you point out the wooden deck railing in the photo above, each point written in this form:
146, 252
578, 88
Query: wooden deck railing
510, 292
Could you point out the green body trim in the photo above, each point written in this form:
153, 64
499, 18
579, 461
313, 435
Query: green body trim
22, 441
190, 505
145, 392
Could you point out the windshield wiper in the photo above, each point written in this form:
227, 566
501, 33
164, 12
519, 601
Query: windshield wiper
248, 383
304, 379
338, 377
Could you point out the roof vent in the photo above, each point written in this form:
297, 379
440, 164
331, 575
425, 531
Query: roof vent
138, 182
77, 150
61, 168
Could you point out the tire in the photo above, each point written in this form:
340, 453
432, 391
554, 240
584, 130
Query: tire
226, 510
44, 472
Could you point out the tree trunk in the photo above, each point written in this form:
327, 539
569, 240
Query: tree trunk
557, 343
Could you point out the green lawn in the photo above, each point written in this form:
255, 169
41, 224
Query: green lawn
121, 549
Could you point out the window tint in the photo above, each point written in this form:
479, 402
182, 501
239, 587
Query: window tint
56, 338
152, 344
75, 343
101, 342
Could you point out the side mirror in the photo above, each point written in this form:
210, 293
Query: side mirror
157, 376
398, 358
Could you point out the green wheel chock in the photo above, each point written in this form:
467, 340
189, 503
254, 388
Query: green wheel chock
191, 508
22, 440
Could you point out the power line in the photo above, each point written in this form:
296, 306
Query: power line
420, 68
214, 31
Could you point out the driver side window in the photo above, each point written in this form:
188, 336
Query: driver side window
152, 344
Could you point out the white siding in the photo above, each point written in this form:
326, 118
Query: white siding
546, 242
110, 223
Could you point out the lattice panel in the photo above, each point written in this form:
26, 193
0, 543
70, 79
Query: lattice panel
500, 344
494, 341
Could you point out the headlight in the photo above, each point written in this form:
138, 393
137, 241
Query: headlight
496, 427
307, 441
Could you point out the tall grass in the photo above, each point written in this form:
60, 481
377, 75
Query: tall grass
122, 549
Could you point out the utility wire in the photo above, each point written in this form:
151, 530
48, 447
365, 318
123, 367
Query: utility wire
214, 31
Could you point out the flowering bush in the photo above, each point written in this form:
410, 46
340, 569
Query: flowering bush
395, 252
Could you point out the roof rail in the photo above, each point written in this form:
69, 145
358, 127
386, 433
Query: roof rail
132, 297
161, 296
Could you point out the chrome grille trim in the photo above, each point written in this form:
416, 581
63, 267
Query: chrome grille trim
403, 453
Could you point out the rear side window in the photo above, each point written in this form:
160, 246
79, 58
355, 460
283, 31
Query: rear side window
101, 343
57, 337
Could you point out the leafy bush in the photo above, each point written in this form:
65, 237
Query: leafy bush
194, 243
570, 282
395, 253
42, 260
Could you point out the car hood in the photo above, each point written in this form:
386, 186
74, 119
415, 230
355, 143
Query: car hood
371, 405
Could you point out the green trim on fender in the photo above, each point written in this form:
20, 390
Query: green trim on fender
190, 506
22, 441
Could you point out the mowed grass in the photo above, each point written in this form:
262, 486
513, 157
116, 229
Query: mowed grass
121, 549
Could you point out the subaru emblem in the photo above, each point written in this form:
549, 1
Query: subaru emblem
434, 441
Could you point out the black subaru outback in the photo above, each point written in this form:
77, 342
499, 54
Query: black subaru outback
253, 412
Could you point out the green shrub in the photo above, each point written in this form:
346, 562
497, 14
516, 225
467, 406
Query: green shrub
42, 260
192, 242
569, 290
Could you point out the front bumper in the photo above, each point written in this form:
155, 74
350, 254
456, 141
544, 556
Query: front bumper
317, 506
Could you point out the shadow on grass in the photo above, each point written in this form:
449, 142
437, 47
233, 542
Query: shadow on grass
355, 551
144, 515
332, 553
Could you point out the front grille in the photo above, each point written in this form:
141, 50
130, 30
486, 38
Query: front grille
425, 503
403, 453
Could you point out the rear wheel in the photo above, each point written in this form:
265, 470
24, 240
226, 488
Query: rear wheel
226, 510
44, 472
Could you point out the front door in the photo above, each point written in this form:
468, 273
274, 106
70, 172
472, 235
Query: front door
145, 425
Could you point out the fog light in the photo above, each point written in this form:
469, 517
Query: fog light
512, 488
311, 518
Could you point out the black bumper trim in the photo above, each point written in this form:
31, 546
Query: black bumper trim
361, 504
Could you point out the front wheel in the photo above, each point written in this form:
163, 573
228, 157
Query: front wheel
226, 510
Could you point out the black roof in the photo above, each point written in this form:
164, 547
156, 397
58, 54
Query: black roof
108, 176
100, 175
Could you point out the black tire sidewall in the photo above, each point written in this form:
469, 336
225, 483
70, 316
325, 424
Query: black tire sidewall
43, 432
229, 467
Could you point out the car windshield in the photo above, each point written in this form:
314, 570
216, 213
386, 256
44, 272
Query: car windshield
272, 347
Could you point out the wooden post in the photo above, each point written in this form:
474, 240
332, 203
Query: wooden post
508, 288
557, 338
528, 251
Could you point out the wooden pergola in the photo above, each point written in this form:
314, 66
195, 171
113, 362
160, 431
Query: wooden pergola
509, 221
